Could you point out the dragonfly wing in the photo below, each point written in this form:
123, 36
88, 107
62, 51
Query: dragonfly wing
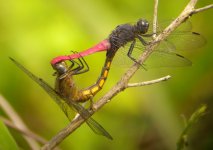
51, 92
162, 24
183, 38
164, 56
186, 40
95, 126
161, 59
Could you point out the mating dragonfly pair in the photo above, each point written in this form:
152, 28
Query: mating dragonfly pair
133, 37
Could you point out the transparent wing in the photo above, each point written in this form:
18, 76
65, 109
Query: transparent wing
183, 38
95, 126
159, 59
167, 54
161, 25
186, 41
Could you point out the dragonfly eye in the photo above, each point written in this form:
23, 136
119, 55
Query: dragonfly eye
142, 26
61, 68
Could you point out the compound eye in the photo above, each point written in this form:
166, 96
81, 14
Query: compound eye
61, 68
144, 23
142, 26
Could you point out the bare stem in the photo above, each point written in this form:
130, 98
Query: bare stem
148, 82
203, 9
155, 18
123, 83
25, 132
7, 108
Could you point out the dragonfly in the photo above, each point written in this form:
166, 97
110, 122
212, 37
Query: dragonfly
132, 37
118, 38
67, 95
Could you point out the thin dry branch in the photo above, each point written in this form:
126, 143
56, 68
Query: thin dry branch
123, 83
74, 124
148, 82
187, 12
155, 18
14, 117
25, 132
203, 9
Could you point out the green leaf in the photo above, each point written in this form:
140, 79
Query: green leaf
6, 140
182, 141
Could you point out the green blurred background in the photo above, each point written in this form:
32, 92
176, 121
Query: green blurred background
34, 32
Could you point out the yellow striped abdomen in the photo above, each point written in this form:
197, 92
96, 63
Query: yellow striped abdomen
92, 90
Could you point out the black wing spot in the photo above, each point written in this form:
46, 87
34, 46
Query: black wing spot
195, 33
180, 55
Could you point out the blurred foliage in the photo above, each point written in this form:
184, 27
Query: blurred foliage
183, 140
33, 32
6, 140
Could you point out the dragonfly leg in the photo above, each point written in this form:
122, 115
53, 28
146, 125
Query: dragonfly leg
142, 40
82, 66
129, 54
72, 64
91, 104
79, 65
148, 35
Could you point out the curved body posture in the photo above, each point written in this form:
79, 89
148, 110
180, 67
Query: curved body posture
182, 39
65, 85
119, 37
66, 94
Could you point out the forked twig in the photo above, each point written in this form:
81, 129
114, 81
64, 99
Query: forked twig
187, 12
123, 83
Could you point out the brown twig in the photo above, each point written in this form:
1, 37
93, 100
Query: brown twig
123, 83
74, 124
25, 132
148, 82
14, 117
202, 9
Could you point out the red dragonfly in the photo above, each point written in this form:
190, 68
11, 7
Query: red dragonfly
132, 37
66, 94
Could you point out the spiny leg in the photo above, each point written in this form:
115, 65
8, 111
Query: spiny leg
129, 54
77, 68
142, 40
91, 104
73, 62
84, 66
80, 65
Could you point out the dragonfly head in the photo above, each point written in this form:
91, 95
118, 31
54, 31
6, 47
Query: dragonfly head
61, 68
142, 26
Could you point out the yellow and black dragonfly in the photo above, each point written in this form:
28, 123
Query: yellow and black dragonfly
66, 94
